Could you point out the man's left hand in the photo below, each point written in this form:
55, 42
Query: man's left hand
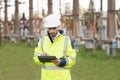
56, 62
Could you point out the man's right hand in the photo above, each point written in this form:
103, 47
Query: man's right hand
45, 54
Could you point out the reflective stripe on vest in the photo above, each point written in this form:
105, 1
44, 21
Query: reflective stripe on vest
72, 57
42, 41
37, 54
65, 45
52, 67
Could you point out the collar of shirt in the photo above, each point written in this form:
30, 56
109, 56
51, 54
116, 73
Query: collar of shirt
56, 36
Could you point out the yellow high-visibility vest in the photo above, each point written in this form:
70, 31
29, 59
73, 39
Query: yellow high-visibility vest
59, 48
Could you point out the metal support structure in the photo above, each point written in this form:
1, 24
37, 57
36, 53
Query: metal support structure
31, 16
0, 22
101, 24
75, 17
6, 21
16, 27
111, 19
60, 7
111, 27
50, 7
101, 6
31, 36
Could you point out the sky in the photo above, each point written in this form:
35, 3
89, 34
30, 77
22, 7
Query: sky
38, 5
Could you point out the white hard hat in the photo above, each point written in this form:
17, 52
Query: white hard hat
52, 20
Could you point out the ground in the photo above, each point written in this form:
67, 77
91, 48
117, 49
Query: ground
16, 63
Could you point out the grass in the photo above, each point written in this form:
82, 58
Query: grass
16, 63
90, 66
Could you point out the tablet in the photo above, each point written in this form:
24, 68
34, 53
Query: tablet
46, 58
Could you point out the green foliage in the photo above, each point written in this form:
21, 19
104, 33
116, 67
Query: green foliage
16, 63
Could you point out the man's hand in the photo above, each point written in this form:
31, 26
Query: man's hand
56, 62
45, 54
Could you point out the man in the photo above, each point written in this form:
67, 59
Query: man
55, 44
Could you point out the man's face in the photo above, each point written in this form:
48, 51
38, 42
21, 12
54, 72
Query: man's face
53, 31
